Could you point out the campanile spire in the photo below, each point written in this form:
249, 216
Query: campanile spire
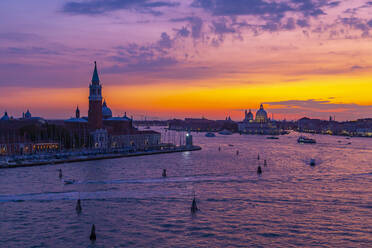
95, 78
95, 101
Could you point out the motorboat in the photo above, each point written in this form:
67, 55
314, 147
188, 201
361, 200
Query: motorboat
305, 140
225, 132
210, 135
272, 137
72, 181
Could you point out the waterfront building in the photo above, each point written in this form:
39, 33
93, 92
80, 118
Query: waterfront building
107, 131
77, 120
27, 114
5, 117
202, 125
99, 130
261, 124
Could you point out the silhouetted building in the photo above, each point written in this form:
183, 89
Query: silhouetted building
202, 125
99, 130
261, 124
95, 102
5, 117
248, 116
106, 111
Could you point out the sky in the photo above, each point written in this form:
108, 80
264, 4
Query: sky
164, 59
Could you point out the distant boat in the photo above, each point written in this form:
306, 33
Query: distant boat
305, 140
272, 137
69, 181
312, 162
231, 145
210, 135
225, 132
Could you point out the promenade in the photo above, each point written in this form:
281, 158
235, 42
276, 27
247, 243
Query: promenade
71, 157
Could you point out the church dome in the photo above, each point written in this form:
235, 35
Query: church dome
106, 111
28, 114
248, 116
5, 117
261, 115
125, 117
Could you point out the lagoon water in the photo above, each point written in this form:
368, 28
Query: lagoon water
290, 205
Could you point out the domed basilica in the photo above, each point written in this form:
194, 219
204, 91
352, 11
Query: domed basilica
105, 129
261, 124
261, 116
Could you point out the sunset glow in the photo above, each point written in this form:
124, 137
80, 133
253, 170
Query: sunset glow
165, 59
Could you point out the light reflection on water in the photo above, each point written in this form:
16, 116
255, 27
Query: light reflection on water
290, 204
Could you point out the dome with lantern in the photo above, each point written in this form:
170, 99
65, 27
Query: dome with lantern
106, 111
261, 115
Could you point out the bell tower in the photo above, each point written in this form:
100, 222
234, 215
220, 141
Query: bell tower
95, 102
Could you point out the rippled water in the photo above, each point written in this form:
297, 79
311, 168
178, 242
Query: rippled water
290, 205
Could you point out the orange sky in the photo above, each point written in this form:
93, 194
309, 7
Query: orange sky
190, 61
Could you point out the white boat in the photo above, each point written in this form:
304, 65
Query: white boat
305, 140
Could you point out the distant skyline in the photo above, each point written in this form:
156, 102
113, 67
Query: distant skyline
192, 58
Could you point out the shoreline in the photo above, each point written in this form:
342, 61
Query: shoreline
98, 157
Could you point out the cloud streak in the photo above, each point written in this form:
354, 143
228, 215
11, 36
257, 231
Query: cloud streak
319, 108
97, 7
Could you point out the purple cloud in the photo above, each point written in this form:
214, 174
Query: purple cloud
96, 7
195, 23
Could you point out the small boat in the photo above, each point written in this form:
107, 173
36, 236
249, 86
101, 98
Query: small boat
312, 162
231, 145
225, 132
210, 135
194, 207
272, 137
305, 140
69, 181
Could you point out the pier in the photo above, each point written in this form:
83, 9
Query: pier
66, 158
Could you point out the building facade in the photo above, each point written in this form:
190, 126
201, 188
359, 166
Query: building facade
261, 124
